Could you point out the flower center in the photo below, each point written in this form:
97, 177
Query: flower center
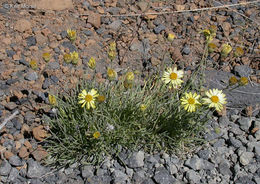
214, 99
88, 98
173, 76
191, 101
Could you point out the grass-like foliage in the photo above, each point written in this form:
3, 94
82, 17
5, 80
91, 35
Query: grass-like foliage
144, 115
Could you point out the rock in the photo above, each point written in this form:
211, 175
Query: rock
243, 70
173, 169
246, 157
245, 123
10, 106
119, 177
56, 5
22, 25
208, 165
115, 25
23, 153
224, 168
136, 160
87, 171
186, 50
32, 76
192, 176
29, 118
46, 83
35, 170
10, 53
13, 174
162, 176
5, 168
142, 5
31, 41
234, 142
39, 154
194, 163
139, 177
244, 180
204, 154
39, 133
15, 161
54, 65
158, 29
94, 19
69, 45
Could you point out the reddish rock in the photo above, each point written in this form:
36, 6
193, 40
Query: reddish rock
53, 4
22, 25
39, 153
8, 154
27, 144
94, 19
23, 153
39, 133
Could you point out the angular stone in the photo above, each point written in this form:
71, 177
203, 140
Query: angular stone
15, 161
32, 76
22, 25
162, 176
136, 160
56, 5
224, 168
195, 163
245, 123
87, 171
35, 170
13, 174
246, 157
192, 176
243, 70
5, 168
119, 176
94, 19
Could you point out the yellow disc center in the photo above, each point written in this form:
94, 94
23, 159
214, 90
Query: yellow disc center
191, 101
214, 99
173, 76
88, 98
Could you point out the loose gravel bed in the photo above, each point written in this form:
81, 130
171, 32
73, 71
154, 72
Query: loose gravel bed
231, 153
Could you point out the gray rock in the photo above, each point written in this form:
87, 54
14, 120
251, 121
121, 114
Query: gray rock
32, 76
13, 174
244, 180
234, 142
208, 165
138, 177
243, 70
136, 46
224, 168
246, 157
87, 171
162, 176
69, 45
15, 161
212, 135
192, 176
54, 65
149, 181
136, 160
245, 123
158, 29
119, 177
29, 117
115, 25
186, 50
219, 143
46, 83
10, 53
35, 170
129, 172
88, 32
173, 169
195, 163
31, 41
257, 148
5, 168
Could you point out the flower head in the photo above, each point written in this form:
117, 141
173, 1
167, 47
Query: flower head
215, 98
232, 80
128, 85
173, 77
67, 58
92, 63
96, 134
226, 49
212, 47
74, 57
33, 64
46, 56
208, 35
88, 98
111, 74
243, 81
239, 52
101, 98
72, 34
143, 107
112, 46
129, 77
171, 37
52, 99
112, 54
190, 101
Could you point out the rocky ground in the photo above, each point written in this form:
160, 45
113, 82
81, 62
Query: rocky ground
30, 28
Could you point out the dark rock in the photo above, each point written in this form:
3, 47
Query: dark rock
29, 117
46, 83
63, 34
113, 10
88, 32
31, 41
5, 168
138, 177
23, 62
115, 25
162, 176
244, 180
10, 106
159, 28
15, 161
224, 168
186, 50
100, 30
10, 53
57, 50
212, 135
234, 142
54, 79
192, 176
35, 170
33, 76
69, 45
11, 81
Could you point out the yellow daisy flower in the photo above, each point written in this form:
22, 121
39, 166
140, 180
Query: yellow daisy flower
96, 134
215, 98
143, 107
72, 34
111, 74
243, 81
190, 101
173, 77
92, 63
88, 98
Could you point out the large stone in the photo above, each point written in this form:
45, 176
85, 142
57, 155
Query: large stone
192, 176
245, 123
5, 168
195, 163
94, 19
136, 160
162, 176
246, 157
22, 25
52, 4
35, 170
